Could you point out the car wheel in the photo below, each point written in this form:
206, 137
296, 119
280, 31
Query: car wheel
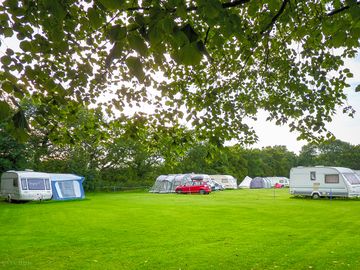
202, 192
315, 196
178, 192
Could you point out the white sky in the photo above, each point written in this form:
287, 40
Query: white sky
343, 127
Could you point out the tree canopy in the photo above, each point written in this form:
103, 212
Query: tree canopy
208, 64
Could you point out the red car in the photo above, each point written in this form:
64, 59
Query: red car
195, 186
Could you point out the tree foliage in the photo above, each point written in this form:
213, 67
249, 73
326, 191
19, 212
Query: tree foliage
331, 153
220, 61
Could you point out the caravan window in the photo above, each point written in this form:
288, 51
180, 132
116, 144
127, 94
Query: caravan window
36, 184
312, 176
47, 184
352, 178
331, 178
23, 184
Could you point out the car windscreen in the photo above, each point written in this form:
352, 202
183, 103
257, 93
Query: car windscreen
36, 184
197, 183
352, 178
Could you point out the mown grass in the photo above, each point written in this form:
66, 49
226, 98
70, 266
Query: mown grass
239, 229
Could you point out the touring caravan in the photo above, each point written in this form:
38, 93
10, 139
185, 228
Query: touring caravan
283, 181
25, 186
321, 181
227, 181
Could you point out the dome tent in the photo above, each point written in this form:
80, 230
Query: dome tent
260, 182
168, 183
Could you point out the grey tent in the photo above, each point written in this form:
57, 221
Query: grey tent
168, 183
260, 182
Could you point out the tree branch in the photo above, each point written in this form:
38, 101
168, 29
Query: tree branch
192, 8
336, 11
274, 19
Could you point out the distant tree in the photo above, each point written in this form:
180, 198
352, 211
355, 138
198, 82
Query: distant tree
256, 166
308, 155
13, 154
330, 153
279, 160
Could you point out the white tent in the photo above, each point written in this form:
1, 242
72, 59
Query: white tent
228, 181
245, 182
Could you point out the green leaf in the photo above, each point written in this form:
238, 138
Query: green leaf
116, 33
94, 18
19, 120
6, 60
137, 43
7, 87
4, 17
180, 39
8, 32
135, 67
167, 25
55, 8
211, 9
112, 4
156, 35
339, 38
181, 11
26, 46
190, 54
5, 110
357, 89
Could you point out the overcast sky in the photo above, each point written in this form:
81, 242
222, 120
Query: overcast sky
343, 127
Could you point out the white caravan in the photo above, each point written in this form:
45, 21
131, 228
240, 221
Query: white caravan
227, 181
283, 181
324, 181
25, 186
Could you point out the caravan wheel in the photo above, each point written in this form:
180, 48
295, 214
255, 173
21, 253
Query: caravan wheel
9, 198
315, 196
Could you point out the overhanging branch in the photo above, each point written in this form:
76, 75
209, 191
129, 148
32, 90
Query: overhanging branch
336, 11
192, 8
275, 18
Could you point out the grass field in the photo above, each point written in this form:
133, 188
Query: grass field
239, 229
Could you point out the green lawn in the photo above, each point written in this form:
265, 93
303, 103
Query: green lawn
239, 229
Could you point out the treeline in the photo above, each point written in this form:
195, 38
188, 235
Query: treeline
130, 152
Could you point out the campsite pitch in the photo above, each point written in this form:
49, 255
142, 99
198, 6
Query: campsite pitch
237, 229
